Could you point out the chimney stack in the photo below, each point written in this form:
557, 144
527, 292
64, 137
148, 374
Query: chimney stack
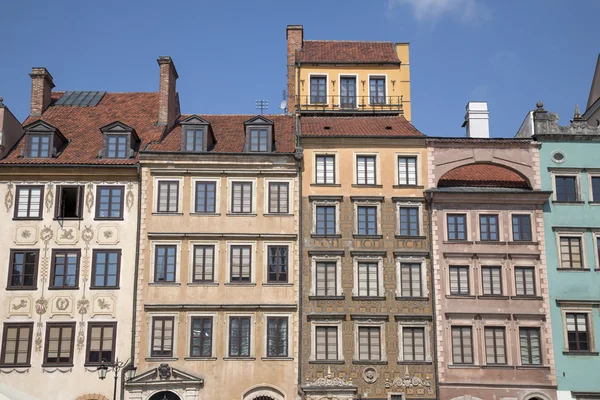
41, 90
477, 120
295, 38
168, 102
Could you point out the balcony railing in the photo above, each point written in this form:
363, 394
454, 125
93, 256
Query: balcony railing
350, 104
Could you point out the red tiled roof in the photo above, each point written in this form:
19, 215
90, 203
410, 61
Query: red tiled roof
230, 134
357, 126
483, 175
327, 51
81, 126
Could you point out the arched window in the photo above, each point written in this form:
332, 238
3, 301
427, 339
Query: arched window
164, 396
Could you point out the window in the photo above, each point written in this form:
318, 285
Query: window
241, 261
116, 146
326, 343
206, 197
488, 227
413, 344
278, 264
525, 281
326, 279
491, 281
194, 139
162, 336
596, 188
318, 90
23, 269
377, 90
368, 279
105, 268
409, 221
29, 202
325, 169
566, 188
69, 203
110, 202
570, 252
529, 339
277, 337
65, 269
407, 170
326, 224
59, 343
521, 224
168, 197
410, 279
259, 139
462, 345
201, 337
367, 220
347, 92
204, 263
495, 345
369, 343
365, 170
457, 226
459, 280
101, 342
39, 146
578, 332
165, 261
239, 336
278, 197
241, 197
16, 344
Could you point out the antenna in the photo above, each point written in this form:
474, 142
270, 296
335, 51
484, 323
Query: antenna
283, 105
262, 105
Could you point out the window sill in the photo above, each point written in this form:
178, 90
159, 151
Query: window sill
568, 203
164, 284
64, 288
410, 237
104, 288
278, 215
523, 243
240, 284
277, 358
239, 358
160, 359
580, 353
21, 288
369, 362
369, 298
499, 366
109, 219
15, 366
208, 284
402, 298
573, 269
200, 214
241, 214
356, 185
414, 362
532, 367
70, 365
457, 242
27, 219
326, 362
408, 187
460, 296
492, 242
594, 202
275, 284
526, 298
457, 366
67, 219
167, 214
335, 236
326, 184
492, 297
357, 236
200, 358
326, 297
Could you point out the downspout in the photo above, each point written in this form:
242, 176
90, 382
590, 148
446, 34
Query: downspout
298, 97
300, 250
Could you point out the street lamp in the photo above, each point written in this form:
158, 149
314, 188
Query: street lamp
127, 367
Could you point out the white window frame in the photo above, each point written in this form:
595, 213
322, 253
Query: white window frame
582, 236
252, 341
419, 181
290, 329
230, 182
155, 183
367, 203
367, 259
338, 273
419, 204
291, 268
178, 254
500, 227
336, 167
267, 198
412, 260
217, 182
413, 324
382, 331
333, 203
253, 263
596, 237
567, 172
339, 82
213, 341
42, 189
580, 309
319, 75
193, 243
376, 171
532, 220
485, 263
468, 224
385, 77
592, 173
313, 340
150, 318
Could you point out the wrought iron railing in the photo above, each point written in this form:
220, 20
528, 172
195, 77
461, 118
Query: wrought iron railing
372, 103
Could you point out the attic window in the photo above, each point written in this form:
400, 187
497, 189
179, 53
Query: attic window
259, 135
120, 141
42, 140
116, 146
194, 139
39, 145
196, 135
259, 139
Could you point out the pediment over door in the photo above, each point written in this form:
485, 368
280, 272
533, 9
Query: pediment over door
164, 377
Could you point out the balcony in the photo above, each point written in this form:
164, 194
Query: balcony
350, 105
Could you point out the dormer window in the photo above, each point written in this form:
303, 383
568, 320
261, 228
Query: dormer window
194, 139
39, 146
116, 146
119, 141
196, 135
42, 140
259, 135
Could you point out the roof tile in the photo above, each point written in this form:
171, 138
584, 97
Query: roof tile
483, 175
358, 126
328, 51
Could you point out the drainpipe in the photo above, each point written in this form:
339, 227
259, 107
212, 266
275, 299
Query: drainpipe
300, 258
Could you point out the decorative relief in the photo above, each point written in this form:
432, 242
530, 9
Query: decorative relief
370, 375
18, 371
330, 381
38, 337
87, 235
409, 381
164, 371
103, 305
41, 306
108, 234
62, 305
129, 197
82, 306
89, 197
49, 197
26, 235
9, 197
67, 235
20, 305
81, 337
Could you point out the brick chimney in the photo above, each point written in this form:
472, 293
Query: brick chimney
295, 38
41, 90
168, 102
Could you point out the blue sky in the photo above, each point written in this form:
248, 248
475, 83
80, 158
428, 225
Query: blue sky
229, 53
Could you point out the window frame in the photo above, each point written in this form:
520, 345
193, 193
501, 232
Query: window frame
459, 267
406, 164
252, 254
155, 246
313, 343
251, 332
59, 195
495, 328
194, 197
195, 129
414, 323
529, 348
336, 225
31, 135
111, 188
288, 335
310, 92
9, 285
159, 182
489, 217
378, 262
101, 324
251, 129
152, 324
566, 173
334, 171
462, 328
378, 77
411, 288
338, 279
191, 346
419, 207
267, 256
588, 331
520, 216
118, 137
193, 247
18, 189
358, 326
55, 252
456, 232
593, 175
94, 265
366, 157
244, 182
61, 325
19, 326
270, 184
581, 237
520, 268
492, 267
367, 205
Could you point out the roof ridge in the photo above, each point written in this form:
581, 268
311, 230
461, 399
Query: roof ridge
352, 41
105, 92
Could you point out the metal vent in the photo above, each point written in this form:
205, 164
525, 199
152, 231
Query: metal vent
80, 99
